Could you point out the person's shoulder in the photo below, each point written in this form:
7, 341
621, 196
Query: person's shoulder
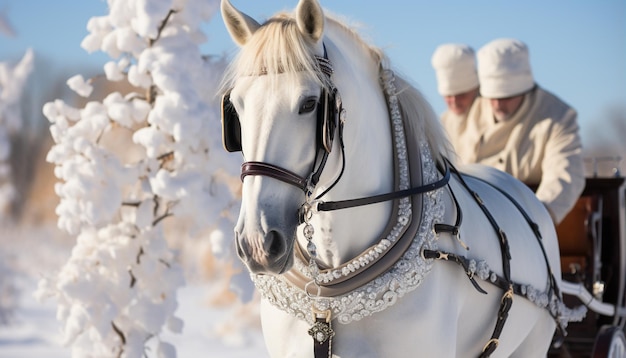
549, 102
543, 94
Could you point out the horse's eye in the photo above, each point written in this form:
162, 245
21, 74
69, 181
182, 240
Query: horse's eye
308, 105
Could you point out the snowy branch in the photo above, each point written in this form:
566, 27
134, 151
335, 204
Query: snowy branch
118, 289
12, 82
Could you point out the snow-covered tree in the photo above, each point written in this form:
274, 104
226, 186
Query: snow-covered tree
6, 28
9, 294
13, 79
12, 82
117, 293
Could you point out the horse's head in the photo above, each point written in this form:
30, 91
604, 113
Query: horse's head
277, 110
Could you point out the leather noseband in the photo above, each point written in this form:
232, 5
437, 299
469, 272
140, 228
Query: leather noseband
273, 171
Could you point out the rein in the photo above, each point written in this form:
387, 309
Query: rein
289, 177
351, 203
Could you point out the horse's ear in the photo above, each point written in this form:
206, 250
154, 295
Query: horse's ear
239, 25
310, 19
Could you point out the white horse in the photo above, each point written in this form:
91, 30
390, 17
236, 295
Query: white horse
422, 272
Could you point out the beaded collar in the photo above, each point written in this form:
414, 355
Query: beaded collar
403, 275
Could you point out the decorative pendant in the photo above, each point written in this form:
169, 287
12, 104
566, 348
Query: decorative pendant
321, 331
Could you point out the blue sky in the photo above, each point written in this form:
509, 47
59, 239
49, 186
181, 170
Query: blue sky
577, 48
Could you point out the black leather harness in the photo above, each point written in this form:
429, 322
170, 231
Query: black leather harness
503, 282
510, 288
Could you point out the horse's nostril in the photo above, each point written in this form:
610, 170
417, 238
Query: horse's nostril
276, 243
265, 253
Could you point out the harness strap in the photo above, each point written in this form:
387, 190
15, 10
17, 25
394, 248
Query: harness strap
322, 350
454, 230
504, 242
315, 177
464, 262
503, 313
440, 255
351, 203
322, 334
450, 229
553, 286
507, 300
505, 303
505, 282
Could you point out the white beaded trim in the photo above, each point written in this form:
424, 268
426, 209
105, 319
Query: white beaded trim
404, 276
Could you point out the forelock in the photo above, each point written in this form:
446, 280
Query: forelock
278, 47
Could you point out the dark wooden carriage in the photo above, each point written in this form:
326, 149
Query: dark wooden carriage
592, 239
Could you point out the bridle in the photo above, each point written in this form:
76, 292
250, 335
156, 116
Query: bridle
331, 118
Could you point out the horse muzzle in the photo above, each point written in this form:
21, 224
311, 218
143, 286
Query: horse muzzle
270, 253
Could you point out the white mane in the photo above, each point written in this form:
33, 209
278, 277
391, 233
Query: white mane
278, 47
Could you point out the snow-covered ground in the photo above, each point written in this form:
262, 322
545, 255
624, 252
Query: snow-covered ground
35, 332
211, 330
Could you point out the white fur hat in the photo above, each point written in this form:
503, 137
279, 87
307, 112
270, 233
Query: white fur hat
504, 69
455, 67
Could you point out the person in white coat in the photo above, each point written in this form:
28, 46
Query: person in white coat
520, 128
457, 83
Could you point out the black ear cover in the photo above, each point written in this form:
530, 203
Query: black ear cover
231, 128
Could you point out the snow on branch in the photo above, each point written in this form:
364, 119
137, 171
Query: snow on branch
12, 82
128, 164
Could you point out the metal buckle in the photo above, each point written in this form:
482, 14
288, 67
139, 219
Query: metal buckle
491, 341
507, 295
317, 287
